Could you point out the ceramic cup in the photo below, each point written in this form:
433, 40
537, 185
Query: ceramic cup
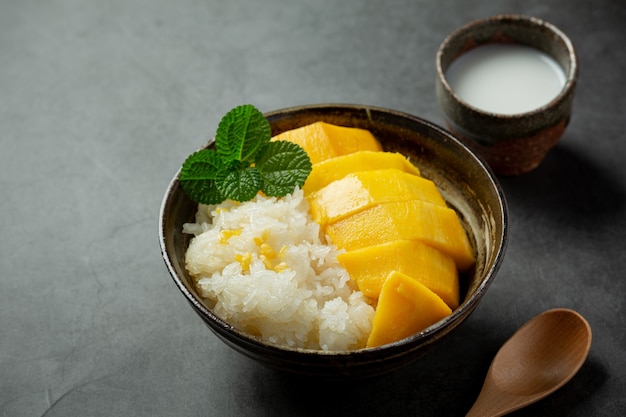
516, 143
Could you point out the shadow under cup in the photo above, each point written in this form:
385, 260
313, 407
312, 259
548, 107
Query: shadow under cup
512, 144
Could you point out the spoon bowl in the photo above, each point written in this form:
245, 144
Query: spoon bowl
537, 360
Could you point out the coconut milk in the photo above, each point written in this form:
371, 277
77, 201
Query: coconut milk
506, 78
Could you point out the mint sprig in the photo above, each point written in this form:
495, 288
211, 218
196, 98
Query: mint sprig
243, 162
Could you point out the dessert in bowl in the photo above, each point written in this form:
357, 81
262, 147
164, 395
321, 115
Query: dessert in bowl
466, 184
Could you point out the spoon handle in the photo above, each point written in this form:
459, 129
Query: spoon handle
494, 402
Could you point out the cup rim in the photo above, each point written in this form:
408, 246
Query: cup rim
571, 74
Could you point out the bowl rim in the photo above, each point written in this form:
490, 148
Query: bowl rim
225, 330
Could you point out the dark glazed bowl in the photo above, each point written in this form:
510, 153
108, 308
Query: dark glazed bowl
511, 144
466, 183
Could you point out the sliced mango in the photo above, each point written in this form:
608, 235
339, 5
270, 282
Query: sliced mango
371, 265
434, 225
325, 172
405, 307
322, 140
360, 190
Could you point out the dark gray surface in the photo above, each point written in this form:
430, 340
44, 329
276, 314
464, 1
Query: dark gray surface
101, 101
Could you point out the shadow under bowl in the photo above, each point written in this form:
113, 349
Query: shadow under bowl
466, 183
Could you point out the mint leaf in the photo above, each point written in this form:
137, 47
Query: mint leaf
241, 133
201, 165
283, 166
239, 185
243, 161
197, 177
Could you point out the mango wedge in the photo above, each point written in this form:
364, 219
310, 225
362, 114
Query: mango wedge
405, 307
371, 265
322, 140
332, 169
433, 225
360, 190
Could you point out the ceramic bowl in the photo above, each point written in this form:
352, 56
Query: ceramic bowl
511, 144
465, 181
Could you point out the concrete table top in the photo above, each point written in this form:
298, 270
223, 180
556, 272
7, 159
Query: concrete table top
100, 103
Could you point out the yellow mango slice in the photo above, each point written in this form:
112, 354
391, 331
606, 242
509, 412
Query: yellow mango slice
434, 225
329, 170
405, 307
360, 190
371, 265
322, 140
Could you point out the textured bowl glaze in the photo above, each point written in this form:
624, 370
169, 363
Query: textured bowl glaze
511, 144
466, 183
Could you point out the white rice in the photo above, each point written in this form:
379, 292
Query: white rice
266, 270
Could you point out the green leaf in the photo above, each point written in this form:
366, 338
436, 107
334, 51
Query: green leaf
197, 177
241, 133
283, 166
239, 185
244, 161
201, 165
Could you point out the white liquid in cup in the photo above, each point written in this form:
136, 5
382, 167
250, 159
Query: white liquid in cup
506, 78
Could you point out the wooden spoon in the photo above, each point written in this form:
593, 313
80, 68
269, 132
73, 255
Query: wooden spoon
538, 359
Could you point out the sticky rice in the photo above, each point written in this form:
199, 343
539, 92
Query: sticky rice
264, 267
